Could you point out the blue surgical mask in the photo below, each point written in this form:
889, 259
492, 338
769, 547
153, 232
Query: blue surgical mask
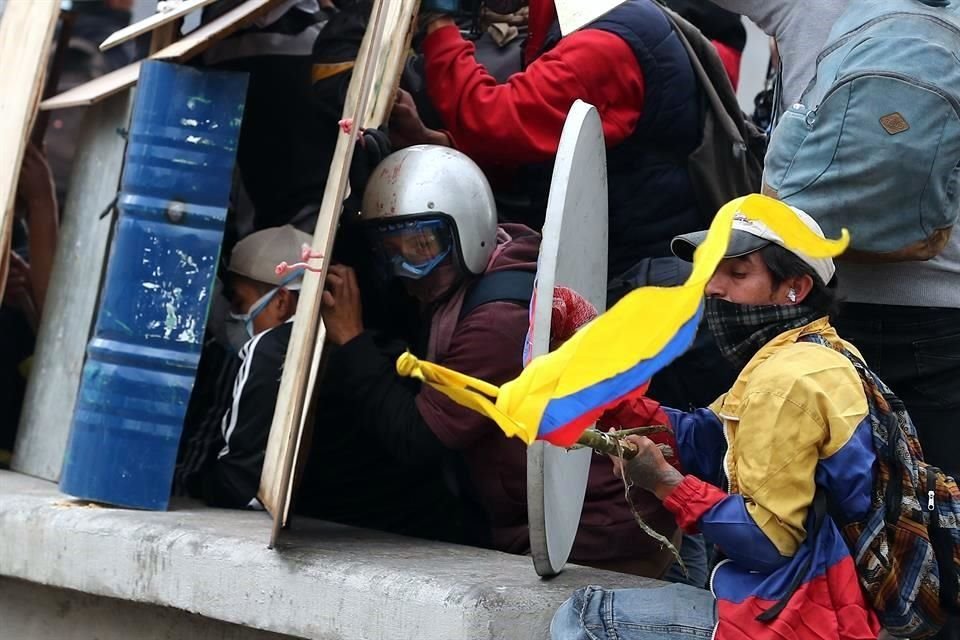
255, 309
260, 304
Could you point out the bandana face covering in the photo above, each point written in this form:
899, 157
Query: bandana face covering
741, 330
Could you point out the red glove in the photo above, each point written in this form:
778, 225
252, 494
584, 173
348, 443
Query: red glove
570, 312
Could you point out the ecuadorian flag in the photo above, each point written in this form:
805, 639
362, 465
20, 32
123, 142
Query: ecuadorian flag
561, 394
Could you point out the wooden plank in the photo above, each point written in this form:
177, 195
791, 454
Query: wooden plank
26, 34
73, 293
188, 47
369, 99
204, 37
150, 23
97, 89
165, 36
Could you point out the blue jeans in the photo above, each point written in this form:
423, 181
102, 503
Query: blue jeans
693, 550
662, 612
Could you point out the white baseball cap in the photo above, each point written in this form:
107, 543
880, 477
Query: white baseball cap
257, 256
752, 235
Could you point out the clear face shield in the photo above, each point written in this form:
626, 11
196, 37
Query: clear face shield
410, 249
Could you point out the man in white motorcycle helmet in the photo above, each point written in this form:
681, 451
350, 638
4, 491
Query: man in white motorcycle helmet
432, 223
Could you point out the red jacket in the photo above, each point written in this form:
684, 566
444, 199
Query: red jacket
519, 123
731, 59
526, 114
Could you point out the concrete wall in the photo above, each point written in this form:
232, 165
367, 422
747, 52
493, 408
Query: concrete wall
324, 581
33, 612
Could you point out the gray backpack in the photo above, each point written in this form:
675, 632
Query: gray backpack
874, 144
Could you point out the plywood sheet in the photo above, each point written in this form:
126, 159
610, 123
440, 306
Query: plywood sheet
26, 34
183, 50
74, 287
369, 100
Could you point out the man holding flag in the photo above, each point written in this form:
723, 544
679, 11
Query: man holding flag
797, 417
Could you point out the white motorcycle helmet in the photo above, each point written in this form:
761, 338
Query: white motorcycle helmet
426, 202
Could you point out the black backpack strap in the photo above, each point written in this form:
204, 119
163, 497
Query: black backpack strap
819, 507
501, 286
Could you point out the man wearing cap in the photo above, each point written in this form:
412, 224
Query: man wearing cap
263, 305
796, 418
414, 501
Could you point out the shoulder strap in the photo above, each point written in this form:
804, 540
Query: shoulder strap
713, 77
501, 286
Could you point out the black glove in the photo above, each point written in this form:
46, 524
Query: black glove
370, 150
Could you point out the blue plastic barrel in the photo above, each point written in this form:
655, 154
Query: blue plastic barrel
142, 360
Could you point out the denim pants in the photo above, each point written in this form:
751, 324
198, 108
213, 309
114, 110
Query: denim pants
693, 550
661, 612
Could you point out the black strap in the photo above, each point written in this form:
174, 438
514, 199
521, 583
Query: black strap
943, 544
893, 495
819, 515
501, 286
711, 74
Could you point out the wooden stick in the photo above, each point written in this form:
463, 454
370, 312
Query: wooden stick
305, 350
612, 444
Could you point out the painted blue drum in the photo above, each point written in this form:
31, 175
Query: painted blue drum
142, 360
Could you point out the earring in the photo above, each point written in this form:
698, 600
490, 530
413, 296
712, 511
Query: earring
792, 296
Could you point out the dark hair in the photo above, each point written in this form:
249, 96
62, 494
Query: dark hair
784, 264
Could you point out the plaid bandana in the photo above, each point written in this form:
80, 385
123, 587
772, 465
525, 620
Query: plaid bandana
742, 329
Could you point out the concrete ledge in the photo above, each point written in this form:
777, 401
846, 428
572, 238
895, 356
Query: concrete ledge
33, 612
325, 581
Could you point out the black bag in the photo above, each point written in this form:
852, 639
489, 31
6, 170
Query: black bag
729, 161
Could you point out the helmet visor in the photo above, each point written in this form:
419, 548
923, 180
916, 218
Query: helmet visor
411, 249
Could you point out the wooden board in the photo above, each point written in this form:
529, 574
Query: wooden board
153, 22
96, 90
368, 103
26, 37
205, 36
573, 254
73, 293
575, 14
187, 48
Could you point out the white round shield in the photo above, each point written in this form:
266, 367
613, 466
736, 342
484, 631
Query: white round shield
574, 255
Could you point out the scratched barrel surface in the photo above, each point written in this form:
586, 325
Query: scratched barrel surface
142, 359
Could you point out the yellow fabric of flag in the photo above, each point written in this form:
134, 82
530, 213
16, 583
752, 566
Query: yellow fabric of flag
560, 394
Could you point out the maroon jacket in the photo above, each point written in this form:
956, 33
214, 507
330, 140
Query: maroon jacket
488, 344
